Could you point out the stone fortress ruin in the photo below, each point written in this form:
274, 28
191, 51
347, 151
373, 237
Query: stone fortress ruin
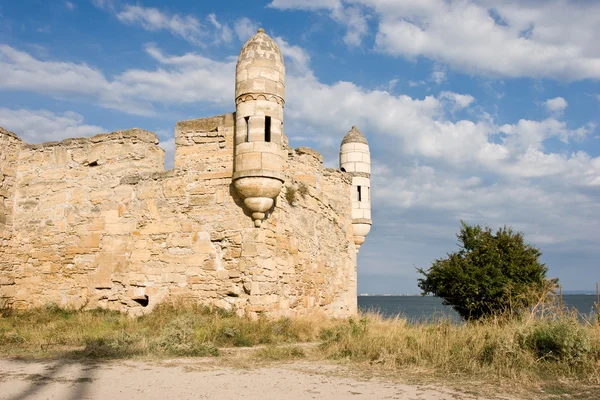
242, 220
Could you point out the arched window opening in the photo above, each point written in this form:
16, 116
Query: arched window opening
267, 129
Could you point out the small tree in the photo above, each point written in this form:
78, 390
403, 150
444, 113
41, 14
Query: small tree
490, 273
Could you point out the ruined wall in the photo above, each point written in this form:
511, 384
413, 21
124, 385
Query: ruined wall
98, 222
64, 202
10, 146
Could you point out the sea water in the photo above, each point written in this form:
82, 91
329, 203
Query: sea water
427, 308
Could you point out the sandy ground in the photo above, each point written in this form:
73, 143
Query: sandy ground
198, 379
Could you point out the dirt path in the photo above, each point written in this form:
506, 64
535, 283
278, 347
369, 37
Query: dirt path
197, 379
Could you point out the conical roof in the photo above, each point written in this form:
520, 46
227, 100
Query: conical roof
260, 47
354, 136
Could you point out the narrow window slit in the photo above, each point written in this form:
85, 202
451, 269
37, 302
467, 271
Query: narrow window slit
359, 194
267, 129
247, 119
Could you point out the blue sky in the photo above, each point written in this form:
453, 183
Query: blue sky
480, 110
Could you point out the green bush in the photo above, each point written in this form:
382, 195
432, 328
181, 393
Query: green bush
491, 274
564, 339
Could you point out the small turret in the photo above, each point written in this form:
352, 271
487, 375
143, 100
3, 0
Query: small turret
356, 160
259, 100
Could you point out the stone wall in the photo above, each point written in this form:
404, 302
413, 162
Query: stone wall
10, 146
99, 223
64, 203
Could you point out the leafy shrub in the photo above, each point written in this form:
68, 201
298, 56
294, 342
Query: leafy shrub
491, 274
563, 339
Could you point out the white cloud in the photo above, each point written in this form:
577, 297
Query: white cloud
553, 39
559, 40
105, 4
296, 58
183, 79
416, 83
527, 134
21, 71
415, 127
187, 27
223, 33
152, 19
305, 4
438, 75
351, 16
245, 28
37, 126
556, 106
69, 5
418, 128
392, 83
355, 21
458, 101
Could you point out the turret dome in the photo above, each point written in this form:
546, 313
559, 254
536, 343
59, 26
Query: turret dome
260, 68
260, 47
354, 136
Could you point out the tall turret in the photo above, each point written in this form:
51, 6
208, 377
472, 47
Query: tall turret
259, 100
356, 160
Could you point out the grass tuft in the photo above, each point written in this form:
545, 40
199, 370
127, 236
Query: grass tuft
279, 353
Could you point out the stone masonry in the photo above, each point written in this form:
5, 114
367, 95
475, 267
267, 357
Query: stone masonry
98, 222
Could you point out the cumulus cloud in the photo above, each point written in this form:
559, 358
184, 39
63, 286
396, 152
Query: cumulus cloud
152, 19
245, 28
416, 127
556, 105
554, 39
187, 27
38, 126
305, 4
527, 134
296, 58
351, 16
22, 71
179, 80
457, 101
223, 32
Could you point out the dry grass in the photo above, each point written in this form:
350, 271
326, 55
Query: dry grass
170, 330
526, 351
279, 353
550, 349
